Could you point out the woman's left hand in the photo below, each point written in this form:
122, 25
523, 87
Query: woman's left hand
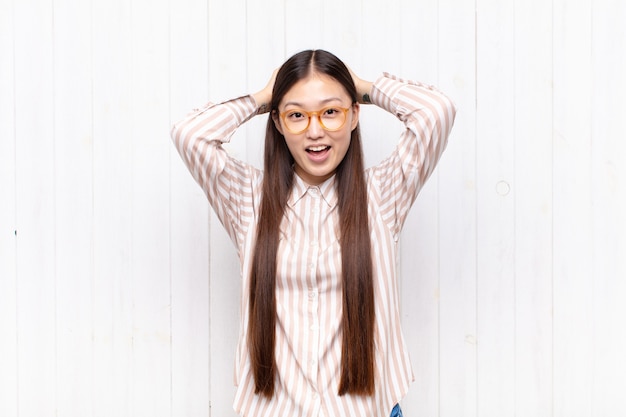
363, 88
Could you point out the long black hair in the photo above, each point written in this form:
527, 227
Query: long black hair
357, 359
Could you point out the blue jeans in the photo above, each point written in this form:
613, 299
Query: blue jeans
396, 412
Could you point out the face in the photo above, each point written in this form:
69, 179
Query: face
316, 151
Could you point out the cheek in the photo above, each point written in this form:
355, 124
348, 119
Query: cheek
344, 143
291, 144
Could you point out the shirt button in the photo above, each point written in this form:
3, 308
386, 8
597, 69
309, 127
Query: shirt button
312, 295
313, 243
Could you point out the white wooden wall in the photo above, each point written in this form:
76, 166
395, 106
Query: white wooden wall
119, 292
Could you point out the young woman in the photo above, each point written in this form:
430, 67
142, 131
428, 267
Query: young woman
317, 234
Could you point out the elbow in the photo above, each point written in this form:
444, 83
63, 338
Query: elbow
175, 132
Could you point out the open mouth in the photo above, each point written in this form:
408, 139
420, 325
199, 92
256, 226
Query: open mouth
317, 149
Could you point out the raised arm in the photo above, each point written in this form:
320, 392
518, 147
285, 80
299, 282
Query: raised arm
227, 182
428, 116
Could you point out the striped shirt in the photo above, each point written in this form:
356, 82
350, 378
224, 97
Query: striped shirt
308, 284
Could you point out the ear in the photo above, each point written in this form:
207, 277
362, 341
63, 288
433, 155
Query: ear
356, 111
276, 119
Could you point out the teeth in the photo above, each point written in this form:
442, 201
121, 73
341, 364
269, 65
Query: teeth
317, 148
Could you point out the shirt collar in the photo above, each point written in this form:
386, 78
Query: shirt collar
326, 189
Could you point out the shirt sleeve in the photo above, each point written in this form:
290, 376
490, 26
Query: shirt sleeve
229, 184
428, 116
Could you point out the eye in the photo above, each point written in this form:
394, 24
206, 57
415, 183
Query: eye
331, 112
295, 115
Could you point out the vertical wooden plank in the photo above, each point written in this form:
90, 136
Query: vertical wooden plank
379, 23
150, 214
189, 236
419, 250
227, 79
35, 206
112, 280
228, 61
8, 271
573, 236
342, 33
533, 208
224, 314
265, 40
457, 214
73, 212
609, 205
303, 26
495, 193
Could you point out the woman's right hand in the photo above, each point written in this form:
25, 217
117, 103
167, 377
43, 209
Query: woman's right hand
263, 98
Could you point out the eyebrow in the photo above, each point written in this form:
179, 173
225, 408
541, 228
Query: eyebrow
325, 101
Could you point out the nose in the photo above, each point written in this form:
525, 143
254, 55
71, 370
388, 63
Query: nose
315, 129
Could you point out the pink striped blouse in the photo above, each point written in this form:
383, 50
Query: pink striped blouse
308, 289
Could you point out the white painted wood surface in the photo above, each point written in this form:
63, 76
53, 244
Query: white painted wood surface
119, 291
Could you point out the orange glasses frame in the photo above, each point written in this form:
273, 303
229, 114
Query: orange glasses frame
310, 115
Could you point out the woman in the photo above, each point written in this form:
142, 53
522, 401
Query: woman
317, 234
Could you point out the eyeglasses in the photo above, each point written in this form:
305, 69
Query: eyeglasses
331, 119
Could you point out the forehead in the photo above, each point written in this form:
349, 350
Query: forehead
314, 91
